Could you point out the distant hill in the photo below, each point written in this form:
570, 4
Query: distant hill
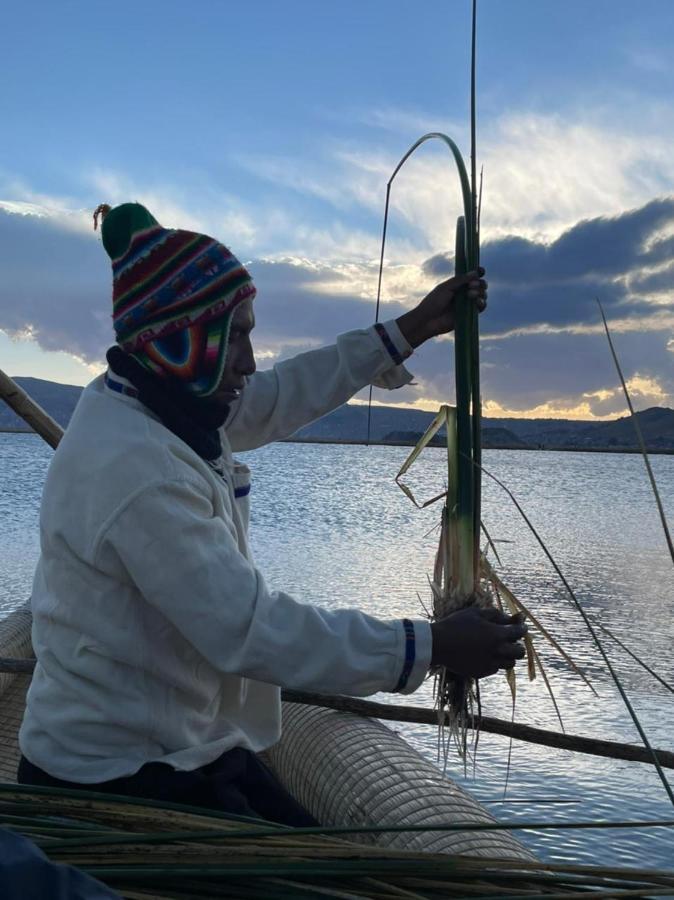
411, 437
493, 438
399, 425
656, 424
59, 400
396, 424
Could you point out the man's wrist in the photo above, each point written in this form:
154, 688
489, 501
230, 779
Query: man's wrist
412, 328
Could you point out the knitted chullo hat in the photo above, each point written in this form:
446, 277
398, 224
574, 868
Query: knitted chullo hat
173, 295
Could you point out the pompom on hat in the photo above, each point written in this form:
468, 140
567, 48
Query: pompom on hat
173, 295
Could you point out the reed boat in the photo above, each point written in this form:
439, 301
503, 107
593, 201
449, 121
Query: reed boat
347, 770
392, 825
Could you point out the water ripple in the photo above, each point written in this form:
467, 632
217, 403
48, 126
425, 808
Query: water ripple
330, 526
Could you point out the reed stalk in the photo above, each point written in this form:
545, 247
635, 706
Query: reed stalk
640, 437
464, 576
458, 572
152, 850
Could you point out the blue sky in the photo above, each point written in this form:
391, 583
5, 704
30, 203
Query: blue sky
275, 126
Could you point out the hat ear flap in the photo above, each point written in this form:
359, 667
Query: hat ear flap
195, 355
179, 354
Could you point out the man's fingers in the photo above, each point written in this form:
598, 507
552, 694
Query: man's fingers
507, 628
507, 656
514, 619
514, 633
477, 291
459, 280
492, 614
479, 285
510, 634
477, 288
510, 652
485, 673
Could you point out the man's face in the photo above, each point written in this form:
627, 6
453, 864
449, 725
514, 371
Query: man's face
240, 360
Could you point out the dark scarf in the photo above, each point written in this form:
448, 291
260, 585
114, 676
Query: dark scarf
193, 420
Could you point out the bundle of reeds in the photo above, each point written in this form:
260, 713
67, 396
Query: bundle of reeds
149, 850
462, 576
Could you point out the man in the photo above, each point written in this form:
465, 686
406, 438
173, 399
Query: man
160, 649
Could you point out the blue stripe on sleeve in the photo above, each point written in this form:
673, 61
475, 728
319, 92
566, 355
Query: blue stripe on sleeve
410, 656
388, 343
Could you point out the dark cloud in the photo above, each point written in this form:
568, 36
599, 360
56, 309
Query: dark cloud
536, 289
660, 251
655, 282
608, 246
602, 248
525, 371
528, 370
555, 284
57, 283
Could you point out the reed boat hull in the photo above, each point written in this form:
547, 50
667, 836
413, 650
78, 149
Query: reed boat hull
345, 769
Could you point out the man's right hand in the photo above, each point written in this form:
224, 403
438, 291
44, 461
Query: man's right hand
477, 642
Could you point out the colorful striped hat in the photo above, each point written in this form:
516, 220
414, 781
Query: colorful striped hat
173, 295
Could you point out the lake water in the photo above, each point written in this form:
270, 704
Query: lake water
330, 526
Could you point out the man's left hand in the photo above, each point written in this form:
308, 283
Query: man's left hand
435, 314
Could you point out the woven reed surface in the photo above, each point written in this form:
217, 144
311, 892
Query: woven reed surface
348, 770
14, 642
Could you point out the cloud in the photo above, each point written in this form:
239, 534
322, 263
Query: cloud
569, 371
551, 286
543, 346
198, 206
273, 225
294, 307
543, 173
655, 284
55, 286
644, 391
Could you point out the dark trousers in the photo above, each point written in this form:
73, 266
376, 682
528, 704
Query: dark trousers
237, 782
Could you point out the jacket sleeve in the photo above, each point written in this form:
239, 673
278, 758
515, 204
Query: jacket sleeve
186, 563
278, 401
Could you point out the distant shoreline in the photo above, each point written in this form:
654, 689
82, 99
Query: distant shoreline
350, 442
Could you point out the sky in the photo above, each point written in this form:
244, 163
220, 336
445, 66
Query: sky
275, 127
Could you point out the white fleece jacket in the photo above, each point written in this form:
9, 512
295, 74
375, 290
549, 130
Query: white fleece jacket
156, 637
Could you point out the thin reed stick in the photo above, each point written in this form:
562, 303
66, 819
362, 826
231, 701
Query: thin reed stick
640, 436
595, 637
376, 315
116, 839
636, 658
476, 413
504, 727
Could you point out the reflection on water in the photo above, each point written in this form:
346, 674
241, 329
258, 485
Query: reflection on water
330, 526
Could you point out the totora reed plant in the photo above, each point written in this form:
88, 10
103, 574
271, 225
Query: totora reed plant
462, 575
